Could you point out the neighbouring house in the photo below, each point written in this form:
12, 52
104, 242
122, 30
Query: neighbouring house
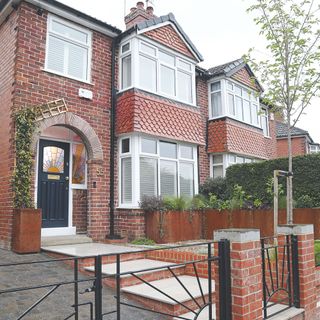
302, 143
125, 114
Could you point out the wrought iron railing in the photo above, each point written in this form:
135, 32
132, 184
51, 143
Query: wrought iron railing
95, 283
280, 277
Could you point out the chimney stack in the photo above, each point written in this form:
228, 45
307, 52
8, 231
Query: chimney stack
138, 14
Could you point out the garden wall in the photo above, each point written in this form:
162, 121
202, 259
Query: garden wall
173, 226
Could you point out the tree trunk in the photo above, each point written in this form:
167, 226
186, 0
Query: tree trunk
289, 179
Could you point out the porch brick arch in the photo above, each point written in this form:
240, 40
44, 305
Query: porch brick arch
77, 124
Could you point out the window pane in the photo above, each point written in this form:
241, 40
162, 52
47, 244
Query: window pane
218, 159
216, 105
126, 47
125, 145
184, 65
247, 160
69, 32
126, 180
168, 150
78, 164
230, 86
240, 160
246, 111
217, 172
232, 109
238, 90
245, 94
167, 58
126, 72
77, 61
56, 54
215, 86
232, 158
186, 180
147, 73
167, 80
239, 114
147, 49
255, 115
148, 177
53, 160
264, 124
186, 152
148, 146
184, 87
168, 178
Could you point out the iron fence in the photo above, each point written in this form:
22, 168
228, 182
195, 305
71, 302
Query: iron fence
94, 284
280, 276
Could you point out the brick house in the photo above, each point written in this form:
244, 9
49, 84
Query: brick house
132, 114
302, 143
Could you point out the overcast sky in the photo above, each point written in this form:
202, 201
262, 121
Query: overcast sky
221, 30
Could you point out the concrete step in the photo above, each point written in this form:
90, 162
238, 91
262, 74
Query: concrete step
64, 240
289, 314
157, 301
134, 266
203, 314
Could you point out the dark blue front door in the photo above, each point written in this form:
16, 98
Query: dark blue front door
53, 183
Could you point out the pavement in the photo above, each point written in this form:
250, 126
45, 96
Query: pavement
58, 305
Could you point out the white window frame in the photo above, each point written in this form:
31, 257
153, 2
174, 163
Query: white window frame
136, 51
224, 100
226, 162
87, 46
136, 153
122, 56
265, 114
77, 185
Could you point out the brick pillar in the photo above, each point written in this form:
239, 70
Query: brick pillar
98, 205
306, 266
246, 272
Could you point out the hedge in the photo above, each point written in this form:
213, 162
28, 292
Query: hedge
253, 177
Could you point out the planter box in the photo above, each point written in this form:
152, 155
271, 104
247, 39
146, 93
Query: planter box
173, 226
26, 230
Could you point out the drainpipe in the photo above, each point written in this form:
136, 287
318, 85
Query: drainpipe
112, 234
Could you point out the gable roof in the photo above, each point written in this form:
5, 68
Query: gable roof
282, 131
64, 11
230, 68
146, 24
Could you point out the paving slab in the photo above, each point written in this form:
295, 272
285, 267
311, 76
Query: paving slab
172, 288
133, 266
88, 249
284, 315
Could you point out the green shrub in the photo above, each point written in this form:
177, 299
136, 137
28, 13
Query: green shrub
176, 203
254, 177
151, 203
215, 186
306, 201
199, 202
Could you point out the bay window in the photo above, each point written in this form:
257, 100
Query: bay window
158, 70
156, 167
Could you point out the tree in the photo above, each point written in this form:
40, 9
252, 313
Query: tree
291, 72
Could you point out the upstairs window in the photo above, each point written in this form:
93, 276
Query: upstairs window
68, 49
158, 70
265, 122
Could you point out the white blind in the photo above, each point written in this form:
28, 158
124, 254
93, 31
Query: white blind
186, 180
56, 54
148, 177
77, 61
126, 179
168, 178
147, 73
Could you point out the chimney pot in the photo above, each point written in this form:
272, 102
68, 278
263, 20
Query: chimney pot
140, 5
150, 10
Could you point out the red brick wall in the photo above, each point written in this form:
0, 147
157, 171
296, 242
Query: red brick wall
79, 213
7, 67
228, 135
138, 111
170, 38
202, 103
244, 77
298, 147
35, 86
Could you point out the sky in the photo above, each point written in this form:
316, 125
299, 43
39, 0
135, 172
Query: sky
222, 31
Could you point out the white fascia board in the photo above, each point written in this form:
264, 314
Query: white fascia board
6, 11
67, 15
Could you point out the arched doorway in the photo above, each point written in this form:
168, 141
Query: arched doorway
64, 145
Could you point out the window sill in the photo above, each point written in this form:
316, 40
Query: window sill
66, 76
233, 118
78, 187
128, 207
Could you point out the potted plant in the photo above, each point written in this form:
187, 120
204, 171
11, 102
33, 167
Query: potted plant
26, 228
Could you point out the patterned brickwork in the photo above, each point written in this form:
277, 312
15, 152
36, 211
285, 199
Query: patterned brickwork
141, 112
244, 77
168, 36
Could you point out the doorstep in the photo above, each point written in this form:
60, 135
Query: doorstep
64, 240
